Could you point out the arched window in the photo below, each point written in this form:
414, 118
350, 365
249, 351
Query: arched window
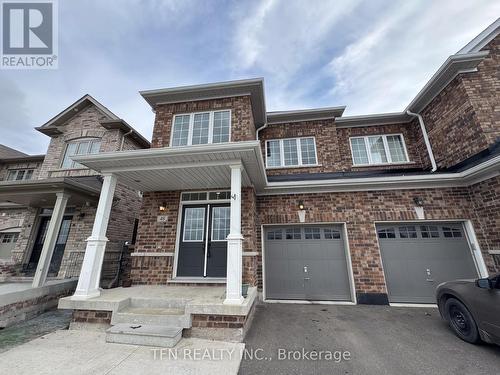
83, 146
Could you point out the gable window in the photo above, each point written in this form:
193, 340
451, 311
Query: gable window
378, 149
77, 148
291, 152
201, 128
19, 174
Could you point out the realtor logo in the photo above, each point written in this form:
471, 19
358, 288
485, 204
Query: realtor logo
29, 34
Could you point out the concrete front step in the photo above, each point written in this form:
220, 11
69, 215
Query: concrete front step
158, 303
147, 335
167, 317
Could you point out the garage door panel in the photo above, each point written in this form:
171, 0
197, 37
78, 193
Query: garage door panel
316, 267
414, 267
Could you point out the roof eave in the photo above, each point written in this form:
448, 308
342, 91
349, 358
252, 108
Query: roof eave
123, 126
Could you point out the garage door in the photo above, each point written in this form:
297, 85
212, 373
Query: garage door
306, 263
418, 257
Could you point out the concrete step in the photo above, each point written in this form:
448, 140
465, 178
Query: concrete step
147, 335
158, 303
167, 317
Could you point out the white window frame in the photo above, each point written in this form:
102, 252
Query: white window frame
386, 149
191, 124
203, 229
212, 229
16, 171
299, 153
78, 141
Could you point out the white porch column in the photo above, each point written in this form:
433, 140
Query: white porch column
90, 274
235, 242
50, 240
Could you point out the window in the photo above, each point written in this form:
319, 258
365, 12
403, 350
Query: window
312, 233
81, 147
331, 234
275, 235
386, 233
408, 232
194, 224
201, 128
450, 232
378, 149
291, 152
429, 231
220, 223
219, 195
8, 237
20, 174
293, 234
194, 196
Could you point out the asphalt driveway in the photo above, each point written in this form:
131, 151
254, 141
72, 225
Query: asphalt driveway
359, 340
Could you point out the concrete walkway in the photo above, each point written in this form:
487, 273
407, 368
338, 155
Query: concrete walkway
85, 352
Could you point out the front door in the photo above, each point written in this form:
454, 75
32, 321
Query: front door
58, 253
202, 243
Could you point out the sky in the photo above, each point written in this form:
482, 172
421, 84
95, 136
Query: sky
372, 56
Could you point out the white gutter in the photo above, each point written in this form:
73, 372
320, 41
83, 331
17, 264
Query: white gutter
426, 139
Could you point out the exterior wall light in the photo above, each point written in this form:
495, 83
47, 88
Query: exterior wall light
301, 205
163, 207
419, 202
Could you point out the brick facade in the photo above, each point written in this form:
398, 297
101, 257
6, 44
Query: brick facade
84, 124
242, 123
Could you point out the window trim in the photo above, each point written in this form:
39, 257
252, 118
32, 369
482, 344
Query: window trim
203, 229
191, 124
386, 148
77, 141
299, 153
17, 170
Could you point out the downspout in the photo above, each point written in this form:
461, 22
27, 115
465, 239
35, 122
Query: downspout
123, 138
426, 139
258, 130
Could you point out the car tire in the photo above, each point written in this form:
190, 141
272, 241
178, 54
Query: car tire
461, 321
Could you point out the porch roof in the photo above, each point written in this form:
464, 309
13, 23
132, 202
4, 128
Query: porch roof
182, 168
39, 193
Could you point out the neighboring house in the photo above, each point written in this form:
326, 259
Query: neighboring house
35, 188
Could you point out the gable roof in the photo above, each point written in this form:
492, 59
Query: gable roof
50, 128
8, 152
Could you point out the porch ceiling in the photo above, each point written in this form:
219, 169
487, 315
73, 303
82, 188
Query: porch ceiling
182, 168
42, 193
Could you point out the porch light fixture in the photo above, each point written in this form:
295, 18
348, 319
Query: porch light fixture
419, 202
163, 207
301, 205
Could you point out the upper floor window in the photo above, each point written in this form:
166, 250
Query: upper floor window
201, 128
80, 147
378, 149
20, 174
291, 152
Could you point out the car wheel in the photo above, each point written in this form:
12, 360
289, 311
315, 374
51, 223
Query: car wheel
461, 321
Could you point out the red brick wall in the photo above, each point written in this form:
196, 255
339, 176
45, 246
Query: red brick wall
242, 123
360, 211
333, 146
91, 316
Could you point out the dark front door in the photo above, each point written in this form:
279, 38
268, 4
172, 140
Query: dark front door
57, 256
203, 245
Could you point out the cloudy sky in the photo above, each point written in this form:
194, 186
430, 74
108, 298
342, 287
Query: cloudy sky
372, 56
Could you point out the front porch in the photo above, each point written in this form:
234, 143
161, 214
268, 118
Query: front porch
199, 311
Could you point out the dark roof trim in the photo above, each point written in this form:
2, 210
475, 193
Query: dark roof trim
23, 159
122, 125
253, 87
49, 184
281, 117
